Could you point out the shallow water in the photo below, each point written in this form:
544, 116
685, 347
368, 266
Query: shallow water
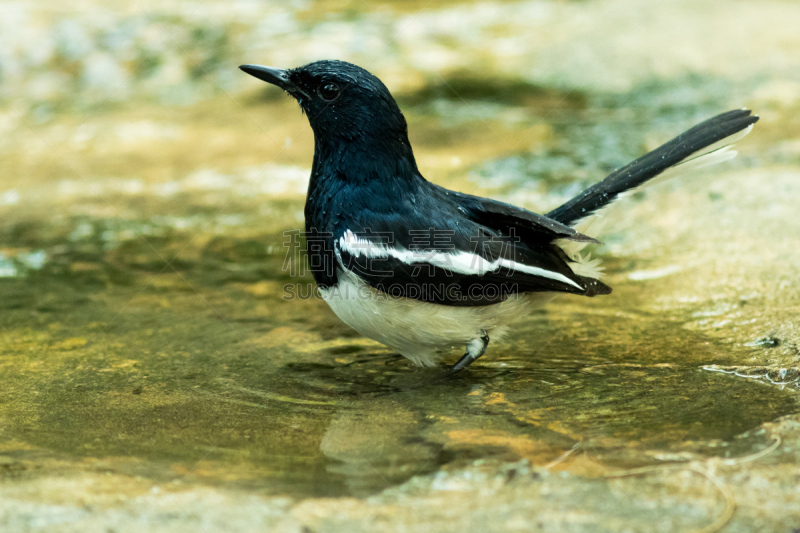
183, 377
147, 336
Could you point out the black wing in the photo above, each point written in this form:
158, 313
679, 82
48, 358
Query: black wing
507, 218
495, 268
440, 246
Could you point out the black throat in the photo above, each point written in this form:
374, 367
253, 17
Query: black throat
353, 179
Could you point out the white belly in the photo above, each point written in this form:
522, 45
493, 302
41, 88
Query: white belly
417, 329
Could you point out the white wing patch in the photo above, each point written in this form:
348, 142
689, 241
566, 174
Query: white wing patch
461, 262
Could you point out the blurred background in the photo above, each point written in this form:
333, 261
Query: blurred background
156, 376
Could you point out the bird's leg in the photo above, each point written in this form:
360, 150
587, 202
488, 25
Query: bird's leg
475, 349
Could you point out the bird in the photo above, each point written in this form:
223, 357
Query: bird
421, 268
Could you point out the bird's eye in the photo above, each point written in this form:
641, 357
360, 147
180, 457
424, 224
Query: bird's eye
329, 92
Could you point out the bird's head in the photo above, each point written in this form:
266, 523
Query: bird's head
343, 102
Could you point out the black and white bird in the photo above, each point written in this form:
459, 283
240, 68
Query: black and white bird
421, 268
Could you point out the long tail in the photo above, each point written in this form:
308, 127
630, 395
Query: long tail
706, 144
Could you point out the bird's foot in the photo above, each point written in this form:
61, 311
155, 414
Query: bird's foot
475, 349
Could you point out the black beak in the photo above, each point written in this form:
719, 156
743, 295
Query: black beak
271, 75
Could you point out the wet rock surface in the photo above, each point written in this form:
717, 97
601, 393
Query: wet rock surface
166, 365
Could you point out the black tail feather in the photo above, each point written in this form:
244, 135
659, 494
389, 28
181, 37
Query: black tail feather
594, 286
652, 164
